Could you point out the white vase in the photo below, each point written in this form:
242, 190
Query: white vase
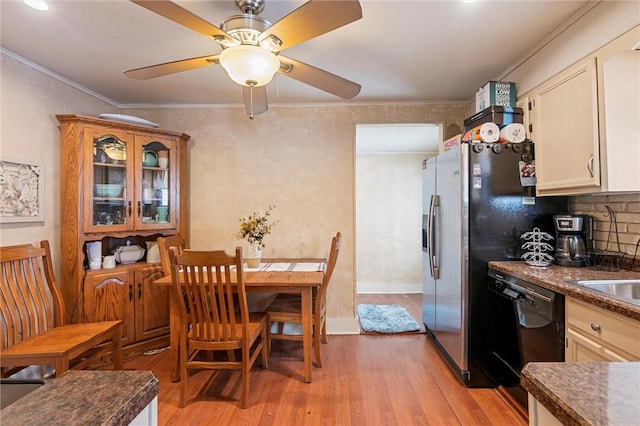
253, 257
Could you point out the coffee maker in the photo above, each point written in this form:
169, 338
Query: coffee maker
573, 239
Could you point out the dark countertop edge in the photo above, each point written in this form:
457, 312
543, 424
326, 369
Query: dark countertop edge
126, 413
586, 393
146, 389
556, 406
535, 275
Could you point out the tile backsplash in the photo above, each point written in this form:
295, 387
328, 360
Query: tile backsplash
626, 208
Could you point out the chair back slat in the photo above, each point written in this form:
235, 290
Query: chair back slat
34, 312
30, 302
164, 245
211, 295
336, 242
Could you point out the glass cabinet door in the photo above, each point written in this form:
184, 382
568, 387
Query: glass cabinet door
156, 199
107, 188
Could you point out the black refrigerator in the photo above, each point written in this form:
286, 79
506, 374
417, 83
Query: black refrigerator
479, 199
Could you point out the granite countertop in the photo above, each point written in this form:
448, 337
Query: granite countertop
586, 393
87, 397
559, 279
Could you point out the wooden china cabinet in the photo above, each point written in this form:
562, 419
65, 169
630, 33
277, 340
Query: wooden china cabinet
121, 183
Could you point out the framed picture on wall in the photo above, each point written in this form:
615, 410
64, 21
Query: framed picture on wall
21, 191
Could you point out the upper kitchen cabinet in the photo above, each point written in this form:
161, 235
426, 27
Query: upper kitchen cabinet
566, 129
619, 109
524, 103
585, 123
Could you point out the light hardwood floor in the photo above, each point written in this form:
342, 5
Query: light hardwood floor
365, 380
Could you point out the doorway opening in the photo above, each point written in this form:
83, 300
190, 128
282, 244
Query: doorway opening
388, 188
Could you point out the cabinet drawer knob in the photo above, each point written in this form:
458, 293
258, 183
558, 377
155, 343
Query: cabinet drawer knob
595, 326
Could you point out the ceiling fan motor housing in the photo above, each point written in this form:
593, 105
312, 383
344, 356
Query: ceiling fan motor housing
246, 29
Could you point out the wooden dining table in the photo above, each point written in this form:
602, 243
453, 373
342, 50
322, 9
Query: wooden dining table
281, 275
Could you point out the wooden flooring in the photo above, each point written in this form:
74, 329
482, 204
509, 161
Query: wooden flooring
365, 380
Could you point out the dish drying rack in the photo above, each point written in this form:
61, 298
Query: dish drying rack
634, 263
609, 260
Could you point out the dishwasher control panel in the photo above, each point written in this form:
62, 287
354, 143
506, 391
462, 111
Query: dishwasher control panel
526, 294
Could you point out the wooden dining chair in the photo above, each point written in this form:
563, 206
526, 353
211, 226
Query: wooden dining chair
33, 329
164, 245
214, 315
287, 308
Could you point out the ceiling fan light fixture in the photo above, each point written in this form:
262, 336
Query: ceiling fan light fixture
249, 65
37, 4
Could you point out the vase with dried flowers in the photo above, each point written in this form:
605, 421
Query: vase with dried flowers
253, 229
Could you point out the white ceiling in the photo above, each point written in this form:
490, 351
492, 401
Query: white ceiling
399, 51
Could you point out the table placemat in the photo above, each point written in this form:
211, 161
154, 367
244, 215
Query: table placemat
289, 266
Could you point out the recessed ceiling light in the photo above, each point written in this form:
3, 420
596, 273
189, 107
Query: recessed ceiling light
37, 4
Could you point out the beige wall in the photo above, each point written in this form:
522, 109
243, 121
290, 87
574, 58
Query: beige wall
29, 131
302, 159
388, 222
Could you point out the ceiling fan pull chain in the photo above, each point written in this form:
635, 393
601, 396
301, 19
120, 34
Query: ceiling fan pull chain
251, 116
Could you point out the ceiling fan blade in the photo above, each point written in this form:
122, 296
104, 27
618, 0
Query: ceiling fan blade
255, 100
318, 78
312, 19
167, 68
182, 16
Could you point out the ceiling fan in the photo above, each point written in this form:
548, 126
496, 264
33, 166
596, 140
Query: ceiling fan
252, 45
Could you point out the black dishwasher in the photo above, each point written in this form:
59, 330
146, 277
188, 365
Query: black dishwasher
528, 326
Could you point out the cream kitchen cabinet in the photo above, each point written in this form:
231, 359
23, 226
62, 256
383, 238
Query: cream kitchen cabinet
619, 113
596, 334
586, 125
524, 103
566, 129
582, 349
539, 415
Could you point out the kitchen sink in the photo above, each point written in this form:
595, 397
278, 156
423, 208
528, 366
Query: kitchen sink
628, 290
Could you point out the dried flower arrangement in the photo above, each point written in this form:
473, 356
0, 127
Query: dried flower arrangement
254, 227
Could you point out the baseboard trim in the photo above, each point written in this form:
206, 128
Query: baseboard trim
343, 326
386, 288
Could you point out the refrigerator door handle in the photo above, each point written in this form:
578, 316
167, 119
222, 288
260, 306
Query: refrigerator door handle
430, 235
433, 256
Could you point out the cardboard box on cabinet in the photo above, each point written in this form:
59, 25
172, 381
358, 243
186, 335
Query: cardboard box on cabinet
502, 93
451, 142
